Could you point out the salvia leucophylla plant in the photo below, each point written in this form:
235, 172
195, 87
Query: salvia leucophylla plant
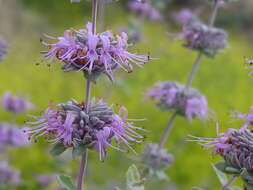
88, 125
3, 48
15, 104
181, 99
173, 96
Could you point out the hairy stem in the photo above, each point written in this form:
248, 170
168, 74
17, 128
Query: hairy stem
84, 159
229, 182
189, 79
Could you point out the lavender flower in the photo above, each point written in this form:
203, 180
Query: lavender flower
15, 104
3, 48
10, 135
155, 159
71, 125
144, 9
185, 17
93, 53
8, 176
235, 146
247, 117
201, 37
176, 97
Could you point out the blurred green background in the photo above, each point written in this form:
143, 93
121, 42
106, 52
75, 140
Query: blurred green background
224, 81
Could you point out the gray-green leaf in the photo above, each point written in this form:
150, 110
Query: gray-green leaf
66, 182
58, 149
133, 179
78, 151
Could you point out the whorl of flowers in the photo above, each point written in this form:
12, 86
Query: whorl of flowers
235, 146
72, 126
10, 135
185, 17
175, 97
3, 48
155, 158
203, 38
8, 176
15, 104
93, 53
144, 9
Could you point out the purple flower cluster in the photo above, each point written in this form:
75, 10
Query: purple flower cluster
3, 48
235, 146
10, 135
144, 9
175, 97
155, 158
8, 176
93, 53
185, 17
71, 125
15, 104
203, 38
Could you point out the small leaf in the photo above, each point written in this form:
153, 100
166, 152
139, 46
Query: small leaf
218, 168
78, 151
231, 170
58, 149
66, 182
134, 181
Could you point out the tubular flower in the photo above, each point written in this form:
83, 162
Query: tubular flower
72, 126
155, 158
185, 17
3, 48
11, 136
8, 176
93, 53
15, 104
247, 117
176, 97
144, 9
235, 146
203, 38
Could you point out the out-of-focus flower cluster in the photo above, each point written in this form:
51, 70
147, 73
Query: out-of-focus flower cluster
144, 9
45, 180
156, 160
15, 104
203, 38
176, 97
10, 135
72, 126
185, 17
8, 176
133, 30
198, 36
3, 48
93, 53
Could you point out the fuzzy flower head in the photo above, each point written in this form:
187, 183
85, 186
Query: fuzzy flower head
93, 53
235, 146
3, 48
155, 159
11, 135
15, 104
185, 17
144, 9
8, 176
96, 129
200, 37
176, 97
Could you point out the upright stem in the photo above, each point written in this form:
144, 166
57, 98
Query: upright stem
84, 159
189, 79
229, 182
167, 130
